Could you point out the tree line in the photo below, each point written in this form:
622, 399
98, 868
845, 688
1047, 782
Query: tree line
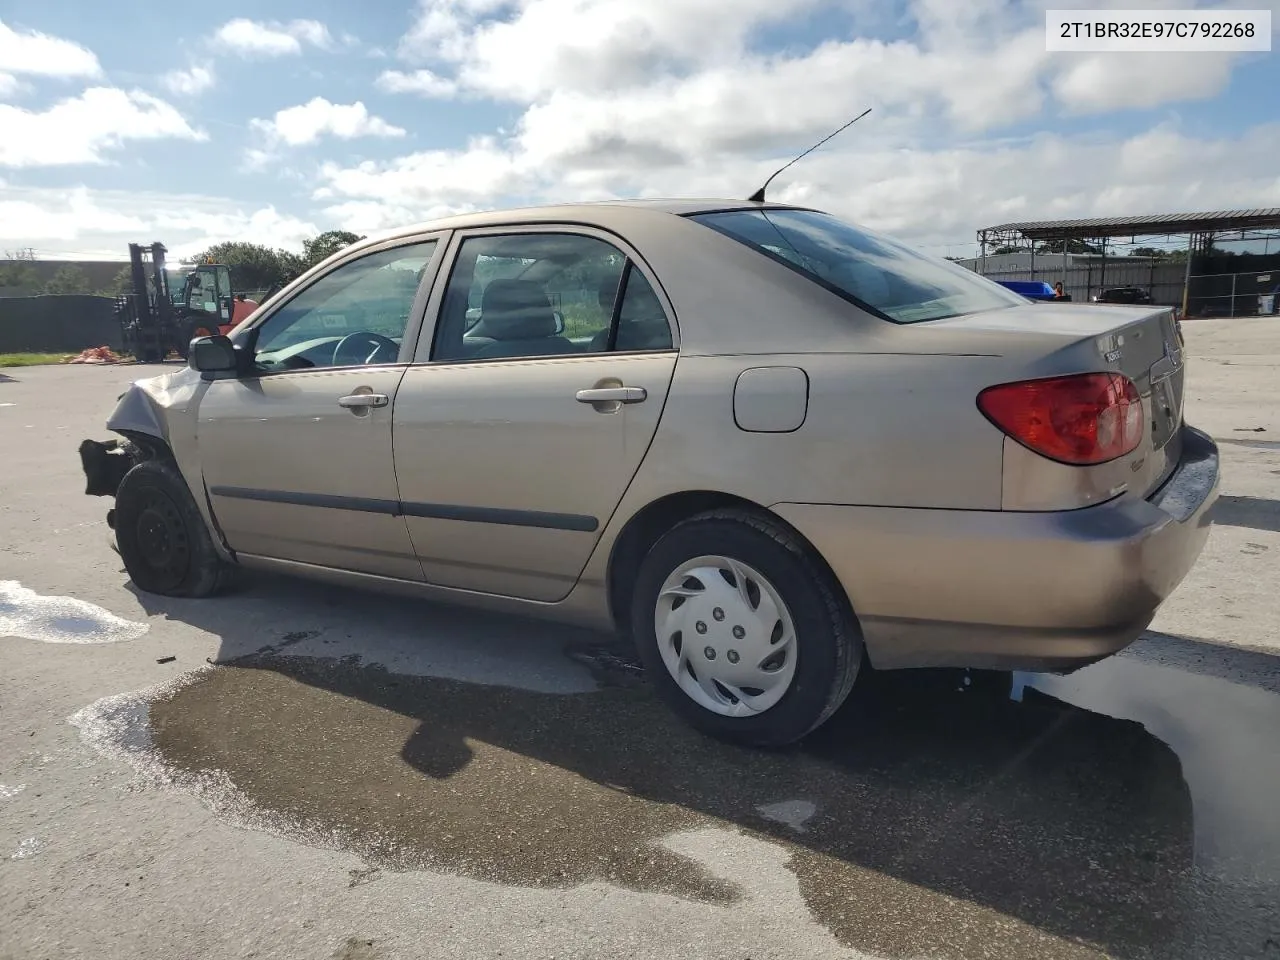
254, 267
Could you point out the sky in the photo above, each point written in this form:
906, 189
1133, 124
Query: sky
274, 120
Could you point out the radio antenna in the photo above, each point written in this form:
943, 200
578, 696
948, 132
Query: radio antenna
758, 196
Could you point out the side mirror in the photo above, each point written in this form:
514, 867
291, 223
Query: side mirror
212, 356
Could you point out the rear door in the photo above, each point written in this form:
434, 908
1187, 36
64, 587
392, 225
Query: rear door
297, 457
520, 426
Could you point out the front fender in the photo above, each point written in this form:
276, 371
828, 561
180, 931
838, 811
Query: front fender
136, 414
164, 410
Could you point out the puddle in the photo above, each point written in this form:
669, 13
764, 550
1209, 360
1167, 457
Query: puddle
1224, 732
926, 819
25, 613
792, 813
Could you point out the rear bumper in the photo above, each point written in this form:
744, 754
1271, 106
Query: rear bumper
1009, 590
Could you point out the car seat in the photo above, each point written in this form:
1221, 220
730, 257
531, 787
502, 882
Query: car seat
517, 315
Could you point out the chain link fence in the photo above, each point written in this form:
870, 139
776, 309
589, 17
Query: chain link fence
1252, 294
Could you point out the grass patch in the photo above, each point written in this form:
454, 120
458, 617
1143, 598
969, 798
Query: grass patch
31, 359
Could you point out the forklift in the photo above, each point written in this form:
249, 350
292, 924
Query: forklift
154, 322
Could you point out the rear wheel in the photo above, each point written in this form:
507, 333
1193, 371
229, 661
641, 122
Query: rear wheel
161, 535
741, 631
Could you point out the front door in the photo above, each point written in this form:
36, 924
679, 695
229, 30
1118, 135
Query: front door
550, 367
297, 458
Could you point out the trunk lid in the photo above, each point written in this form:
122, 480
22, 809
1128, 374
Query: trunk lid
1141, 342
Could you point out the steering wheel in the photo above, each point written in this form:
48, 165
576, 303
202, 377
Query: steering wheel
370, 343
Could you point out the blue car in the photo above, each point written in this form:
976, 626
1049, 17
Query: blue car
1031, 289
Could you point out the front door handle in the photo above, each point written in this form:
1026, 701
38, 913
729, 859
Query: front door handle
612, 395
356, 401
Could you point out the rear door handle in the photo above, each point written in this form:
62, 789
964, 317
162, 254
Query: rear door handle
612, 395
358, 400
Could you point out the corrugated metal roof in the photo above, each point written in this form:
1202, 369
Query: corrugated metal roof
1151, 225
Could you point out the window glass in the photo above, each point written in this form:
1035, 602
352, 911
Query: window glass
528, 295
354, 315
642, 323
875, 272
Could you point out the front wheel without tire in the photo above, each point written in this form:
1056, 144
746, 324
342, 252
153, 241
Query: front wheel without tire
744, 634
161, 535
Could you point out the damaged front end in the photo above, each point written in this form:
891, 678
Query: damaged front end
154, 419
105, 463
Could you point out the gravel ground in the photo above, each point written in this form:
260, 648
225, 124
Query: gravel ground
293, 771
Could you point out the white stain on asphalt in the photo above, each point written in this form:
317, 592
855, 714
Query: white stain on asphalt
25, 613
27, 848
7, 793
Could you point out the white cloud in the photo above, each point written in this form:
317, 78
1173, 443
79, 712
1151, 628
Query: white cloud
82, 129
681, 98
676, 97
928, 196
422, 82
67, 216
983, 63
10, 86
254, 38
189, 82
41, 55
370, 216
1101, 82
308, 122
103, 222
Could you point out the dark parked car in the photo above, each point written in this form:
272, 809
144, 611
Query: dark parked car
1123, 295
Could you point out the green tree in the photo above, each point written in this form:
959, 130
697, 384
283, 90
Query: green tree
1073, 246
68, 279
1156, 253
253, 266
326, 245
17, 273
121, 283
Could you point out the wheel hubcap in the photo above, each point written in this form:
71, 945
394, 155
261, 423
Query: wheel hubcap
162, 539
726, 636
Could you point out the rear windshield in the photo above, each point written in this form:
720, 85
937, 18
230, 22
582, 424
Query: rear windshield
878, 274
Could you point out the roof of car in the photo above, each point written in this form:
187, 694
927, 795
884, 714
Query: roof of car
593, 211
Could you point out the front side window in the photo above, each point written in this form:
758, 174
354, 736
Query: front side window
879, 274
351, 316
545, 294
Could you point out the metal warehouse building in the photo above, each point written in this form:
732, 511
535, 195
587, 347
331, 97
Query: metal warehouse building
1204, 282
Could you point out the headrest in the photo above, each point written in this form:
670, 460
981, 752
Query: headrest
516, 310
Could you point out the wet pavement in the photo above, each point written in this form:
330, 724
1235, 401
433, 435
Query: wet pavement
296, 771
1101, 814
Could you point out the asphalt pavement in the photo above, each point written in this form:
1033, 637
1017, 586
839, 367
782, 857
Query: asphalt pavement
296, 771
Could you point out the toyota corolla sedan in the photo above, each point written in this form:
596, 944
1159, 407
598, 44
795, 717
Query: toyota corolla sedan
767, 444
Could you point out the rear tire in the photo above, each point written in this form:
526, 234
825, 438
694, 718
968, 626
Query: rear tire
162, 537
742, 673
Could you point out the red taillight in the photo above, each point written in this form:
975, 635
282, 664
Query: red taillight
1081, 419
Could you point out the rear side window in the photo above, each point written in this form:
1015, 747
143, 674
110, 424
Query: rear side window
878, 274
